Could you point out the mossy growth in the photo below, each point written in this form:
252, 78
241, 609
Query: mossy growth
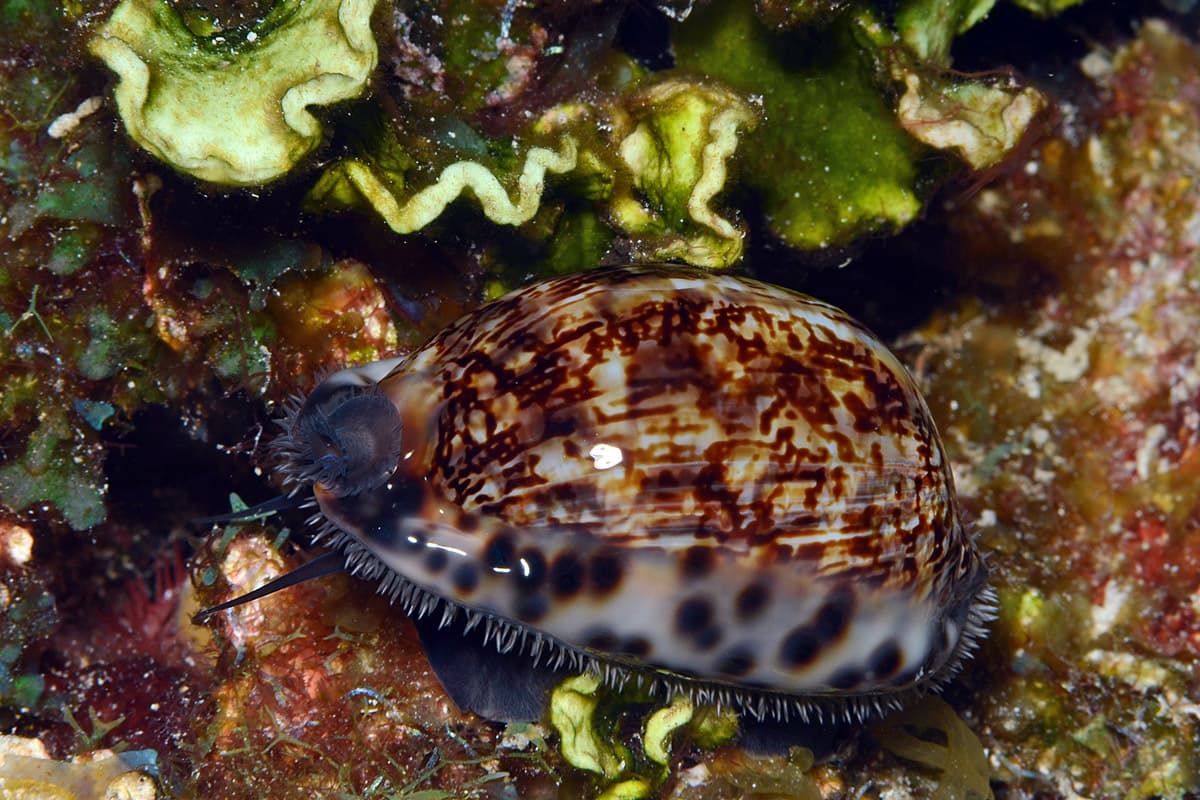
830, 162
60, 466
27, 616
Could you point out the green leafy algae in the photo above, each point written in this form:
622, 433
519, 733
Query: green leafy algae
60, 467
928, 27
829, 162
73, 247
982, 120
94, 413
712, 727
587, 717
833, 157
579, 242
655, 179
232, 107
662, 725
931, 734
572, 710
786, 14
27, 615
676, 156
370, 136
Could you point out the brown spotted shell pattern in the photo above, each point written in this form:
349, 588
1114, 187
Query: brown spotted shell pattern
733, 488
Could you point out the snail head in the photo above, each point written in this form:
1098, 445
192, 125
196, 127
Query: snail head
346, 438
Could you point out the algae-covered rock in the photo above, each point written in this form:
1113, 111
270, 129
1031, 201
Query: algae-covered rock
28, 616
232, 107
60, 466
1070, 412
324, 689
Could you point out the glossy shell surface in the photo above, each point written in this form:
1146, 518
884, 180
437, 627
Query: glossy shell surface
719, 482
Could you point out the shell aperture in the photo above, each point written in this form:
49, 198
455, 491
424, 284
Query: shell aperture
729, 487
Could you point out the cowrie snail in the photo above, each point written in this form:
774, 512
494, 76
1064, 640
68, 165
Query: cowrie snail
717, 485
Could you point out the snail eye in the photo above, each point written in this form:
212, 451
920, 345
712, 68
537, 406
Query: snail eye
331, 447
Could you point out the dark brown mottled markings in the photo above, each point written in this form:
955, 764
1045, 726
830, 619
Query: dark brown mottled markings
846, 678
601, 639
635, 647
834, 615
566, 576
693, 616
531, 607
799, 648
736, 662
436, 560
697, 562
465, 578
694, 622
884, 661
604, 572
382, 532
500, 552
752, 601
669, 340
805, 642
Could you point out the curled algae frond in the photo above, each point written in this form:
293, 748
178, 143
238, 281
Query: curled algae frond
677, 157
232, 108
418, 210
663, 160
572, 706
982, 123
661, 726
